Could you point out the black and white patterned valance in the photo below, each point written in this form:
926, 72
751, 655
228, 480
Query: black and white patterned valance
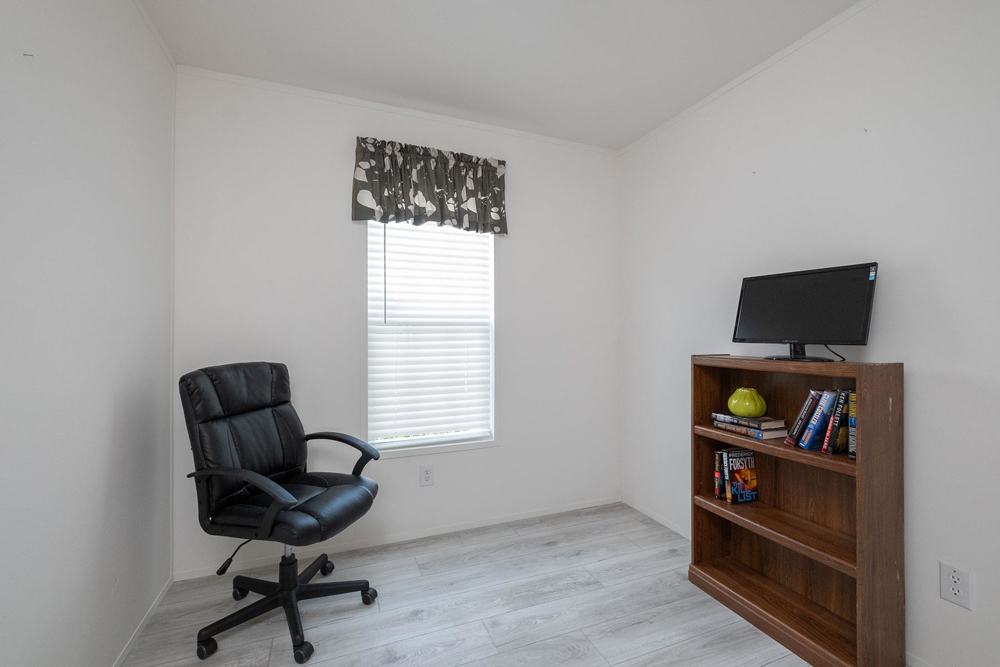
396, 182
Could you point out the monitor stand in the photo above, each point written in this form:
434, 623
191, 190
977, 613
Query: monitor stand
797, 352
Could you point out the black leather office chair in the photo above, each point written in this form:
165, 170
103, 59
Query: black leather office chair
250, 472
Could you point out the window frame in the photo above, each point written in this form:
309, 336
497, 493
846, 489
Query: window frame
416, 446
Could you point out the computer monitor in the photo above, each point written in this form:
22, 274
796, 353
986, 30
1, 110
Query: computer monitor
823, 306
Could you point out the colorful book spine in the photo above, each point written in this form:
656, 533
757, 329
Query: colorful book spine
852, 426
812, 436
834, 425
802, 420
720, 485
763, 423
840, 446
754, 433
727, 494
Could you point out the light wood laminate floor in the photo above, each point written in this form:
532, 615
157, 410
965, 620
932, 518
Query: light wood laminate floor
600, 586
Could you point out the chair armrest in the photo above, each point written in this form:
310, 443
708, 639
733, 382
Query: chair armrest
368, 453
283, 500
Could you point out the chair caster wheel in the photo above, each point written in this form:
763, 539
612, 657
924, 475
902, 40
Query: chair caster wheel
302, 652
207, 648
327, 568
369, 596
239, 593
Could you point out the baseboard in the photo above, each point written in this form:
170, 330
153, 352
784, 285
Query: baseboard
142, 624
684, 532
317, 549
914, 661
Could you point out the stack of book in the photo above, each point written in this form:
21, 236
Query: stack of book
827, 422
761, 428
735, 475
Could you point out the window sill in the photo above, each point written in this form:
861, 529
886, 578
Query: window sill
439, 448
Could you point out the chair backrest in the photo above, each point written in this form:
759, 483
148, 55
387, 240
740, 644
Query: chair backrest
239, 416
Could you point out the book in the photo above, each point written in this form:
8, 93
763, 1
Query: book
755, 433
802, 420
852, 426
720, 485
725, 473
761, 423
741, 475
836, 433
812, 436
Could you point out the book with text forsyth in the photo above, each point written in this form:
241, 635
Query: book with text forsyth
741, 475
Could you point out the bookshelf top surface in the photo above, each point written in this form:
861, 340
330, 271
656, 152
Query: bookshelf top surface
831, 369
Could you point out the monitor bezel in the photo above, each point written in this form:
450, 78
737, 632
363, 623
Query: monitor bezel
868, 309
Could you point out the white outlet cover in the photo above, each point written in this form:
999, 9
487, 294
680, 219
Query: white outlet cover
426, 475
956, 585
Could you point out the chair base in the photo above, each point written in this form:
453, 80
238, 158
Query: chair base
291, 587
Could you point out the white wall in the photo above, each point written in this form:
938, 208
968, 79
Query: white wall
877, 141
269, 266
86, 129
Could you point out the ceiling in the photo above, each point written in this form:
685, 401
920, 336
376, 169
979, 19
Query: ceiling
599, 72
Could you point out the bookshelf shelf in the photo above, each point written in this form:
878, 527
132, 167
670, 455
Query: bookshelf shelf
820, 636
817, 560
839, 464
813, 540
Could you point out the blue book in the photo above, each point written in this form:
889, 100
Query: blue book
812, 437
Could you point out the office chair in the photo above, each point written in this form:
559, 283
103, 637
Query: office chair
250, 473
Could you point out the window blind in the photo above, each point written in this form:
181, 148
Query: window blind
430, 335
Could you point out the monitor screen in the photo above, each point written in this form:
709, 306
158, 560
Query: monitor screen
823, 306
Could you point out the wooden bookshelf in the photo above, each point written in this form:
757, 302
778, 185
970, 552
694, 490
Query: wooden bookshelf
817, 561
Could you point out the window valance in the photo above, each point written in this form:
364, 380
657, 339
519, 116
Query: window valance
396, 182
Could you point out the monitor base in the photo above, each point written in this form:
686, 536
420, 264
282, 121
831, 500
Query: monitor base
797, 352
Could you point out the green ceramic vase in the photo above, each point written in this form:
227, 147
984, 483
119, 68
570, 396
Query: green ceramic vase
746, 402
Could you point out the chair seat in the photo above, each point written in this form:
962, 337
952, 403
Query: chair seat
329, 502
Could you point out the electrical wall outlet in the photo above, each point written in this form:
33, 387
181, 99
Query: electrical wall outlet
426, 475
956, 585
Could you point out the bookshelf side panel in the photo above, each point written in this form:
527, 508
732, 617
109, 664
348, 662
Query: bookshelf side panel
709, 534
881, 584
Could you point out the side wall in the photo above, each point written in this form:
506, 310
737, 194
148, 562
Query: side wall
877, 141
269, 266
86, 129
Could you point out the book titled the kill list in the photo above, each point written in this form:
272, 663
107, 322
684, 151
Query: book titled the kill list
740, 471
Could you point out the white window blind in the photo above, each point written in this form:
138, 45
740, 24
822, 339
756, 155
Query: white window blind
430, 335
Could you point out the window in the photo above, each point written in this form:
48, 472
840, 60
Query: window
430, 335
